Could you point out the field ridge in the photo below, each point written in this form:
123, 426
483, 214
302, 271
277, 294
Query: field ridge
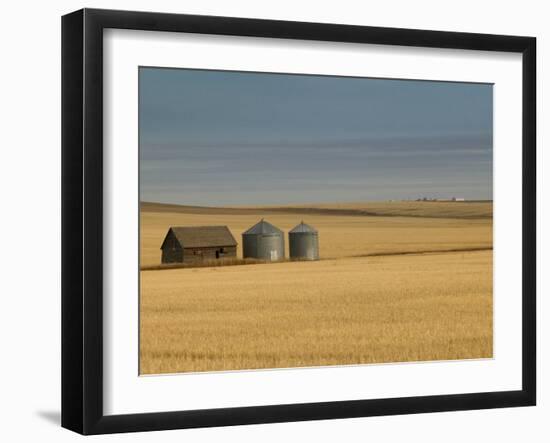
244, 262
435, 209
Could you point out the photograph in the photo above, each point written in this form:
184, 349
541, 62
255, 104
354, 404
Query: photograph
296, 220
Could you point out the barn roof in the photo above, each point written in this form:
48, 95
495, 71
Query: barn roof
303, 228
263, 227
202, 236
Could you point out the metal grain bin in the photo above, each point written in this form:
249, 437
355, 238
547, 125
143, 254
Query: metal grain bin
303, 242
264, 241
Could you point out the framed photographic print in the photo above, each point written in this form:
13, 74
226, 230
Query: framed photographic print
268, 221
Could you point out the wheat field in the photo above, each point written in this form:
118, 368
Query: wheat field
339, 235
348, 308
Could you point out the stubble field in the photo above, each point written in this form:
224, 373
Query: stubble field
363, 302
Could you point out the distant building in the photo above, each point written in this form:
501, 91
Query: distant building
194, 244
303, 242
264, 241
458, 199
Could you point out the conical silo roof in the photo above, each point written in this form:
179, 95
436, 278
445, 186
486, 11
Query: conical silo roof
303, 228
263, 227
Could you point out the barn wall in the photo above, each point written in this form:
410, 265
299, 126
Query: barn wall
194, 255
172, 252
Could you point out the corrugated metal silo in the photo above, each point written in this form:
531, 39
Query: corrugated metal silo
264, 241
303, 242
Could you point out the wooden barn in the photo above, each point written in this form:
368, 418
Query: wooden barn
197, 243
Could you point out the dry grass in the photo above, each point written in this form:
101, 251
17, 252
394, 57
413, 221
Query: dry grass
339, 235
205, 264
428, 209
342, 311
351, 307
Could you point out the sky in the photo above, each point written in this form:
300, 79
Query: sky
215, 138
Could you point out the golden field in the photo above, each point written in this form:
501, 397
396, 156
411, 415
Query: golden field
339, 235
351, 307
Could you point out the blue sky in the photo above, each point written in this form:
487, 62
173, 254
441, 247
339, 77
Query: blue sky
215, 138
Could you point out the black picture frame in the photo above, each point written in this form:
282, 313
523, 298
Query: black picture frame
82, 218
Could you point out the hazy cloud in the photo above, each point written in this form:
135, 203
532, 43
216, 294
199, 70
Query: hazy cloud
215, 138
